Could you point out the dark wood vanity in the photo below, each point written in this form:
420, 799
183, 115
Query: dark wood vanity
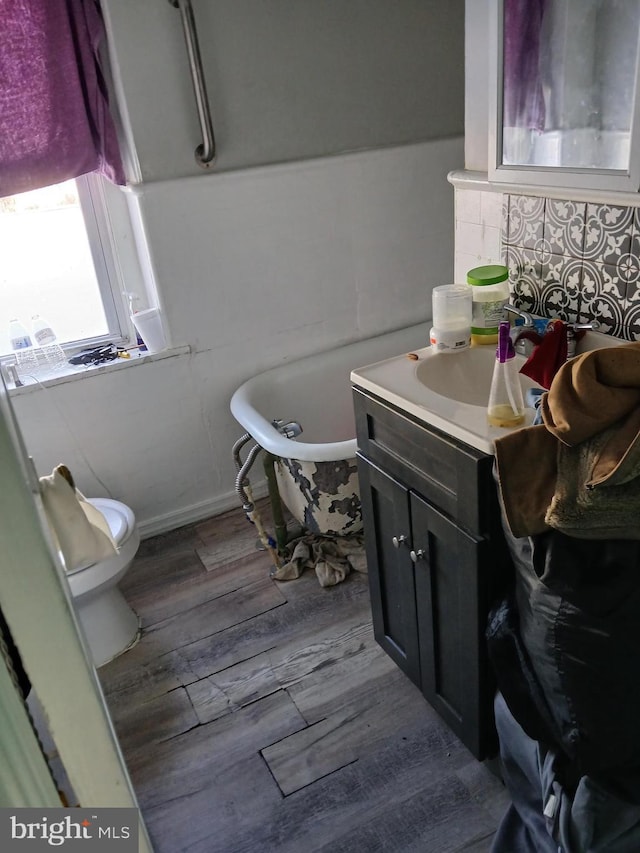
436, 558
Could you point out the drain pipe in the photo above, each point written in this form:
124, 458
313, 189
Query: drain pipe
292, 429
243, 490
279, 524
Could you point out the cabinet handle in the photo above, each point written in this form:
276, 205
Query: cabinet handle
399, 540
416, 555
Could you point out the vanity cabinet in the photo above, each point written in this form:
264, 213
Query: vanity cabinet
436, 560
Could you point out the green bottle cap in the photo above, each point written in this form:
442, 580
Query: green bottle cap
492, 274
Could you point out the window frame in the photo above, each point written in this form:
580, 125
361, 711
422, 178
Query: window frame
107, 224
506, 176
109, 275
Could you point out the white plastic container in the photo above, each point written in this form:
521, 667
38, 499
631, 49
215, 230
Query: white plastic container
452, 304
490, 292
148, 323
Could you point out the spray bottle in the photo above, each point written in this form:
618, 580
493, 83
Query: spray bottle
506, 405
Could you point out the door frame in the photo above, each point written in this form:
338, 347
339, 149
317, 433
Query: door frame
37, 605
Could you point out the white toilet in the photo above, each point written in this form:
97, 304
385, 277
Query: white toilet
110, 625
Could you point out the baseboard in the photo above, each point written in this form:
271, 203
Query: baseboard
195, 512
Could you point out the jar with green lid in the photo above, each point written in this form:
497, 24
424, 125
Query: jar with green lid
490, 293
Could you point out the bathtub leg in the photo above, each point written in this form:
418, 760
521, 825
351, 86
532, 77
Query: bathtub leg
280, 526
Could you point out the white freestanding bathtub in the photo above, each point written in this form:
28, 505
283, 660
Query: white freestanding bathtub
316, 471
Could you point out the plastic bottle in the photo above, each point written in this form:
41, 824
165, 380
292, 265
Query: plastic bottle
490, 293
506, 405
54, 357
451, 330
22, 345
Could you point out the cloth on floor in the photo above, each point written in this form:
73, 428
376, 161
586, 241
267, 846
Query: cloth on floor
80, 530
579, 471
332, 557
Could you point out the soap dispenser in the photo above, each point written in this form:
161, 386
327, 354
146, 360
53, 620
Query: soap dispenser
506, 405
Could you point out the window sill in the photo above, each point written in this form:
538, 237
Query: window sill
75, 373
468, 180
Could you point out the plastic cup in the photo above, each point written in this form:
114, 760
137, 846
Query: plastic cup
149, 326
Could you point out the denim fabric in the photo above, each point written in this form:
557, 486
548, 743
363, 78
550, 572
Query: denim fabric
532, 400
523, 828
544, 817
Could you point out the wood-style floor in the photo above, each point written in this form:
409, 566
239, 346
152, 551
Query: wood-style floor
259, 716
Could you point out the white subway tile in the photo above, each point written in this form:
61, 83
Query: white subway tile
491, 244
491, 208
468, 206
464, 262
469, 238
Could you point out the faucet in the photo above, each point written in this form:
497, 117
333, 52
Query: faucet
524, 337
528, 319
572, 340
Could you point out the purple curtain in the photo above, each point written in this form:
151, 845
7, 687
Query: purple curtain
523, 98
54, 116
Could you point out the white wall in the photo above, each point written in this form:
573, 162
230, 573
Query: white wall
287, 79
476, 84
257, 266
254, 268
478, 231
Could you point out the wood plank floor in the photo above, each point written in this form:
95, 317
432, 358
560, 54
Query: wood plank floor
260, 716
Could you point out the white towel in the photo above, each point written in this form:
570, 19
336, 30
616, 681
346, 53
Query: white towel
80, 530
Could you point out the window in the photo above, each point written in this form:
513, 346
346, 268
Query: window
57, 259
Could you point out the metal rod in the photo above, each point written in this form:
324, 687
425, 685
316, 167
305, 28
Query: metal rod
279, 524
205, 153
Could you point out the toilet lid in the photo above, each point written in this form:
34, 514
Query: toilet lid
116, 520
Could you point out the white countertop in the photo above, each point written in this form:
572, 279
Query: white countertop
397, 381
456, 403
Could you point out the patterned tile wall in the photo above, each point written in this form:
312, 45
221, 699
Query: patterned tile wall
574, 260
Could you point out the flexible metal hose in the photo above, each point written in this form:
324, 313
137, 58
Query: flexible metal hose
247, 503
237, 447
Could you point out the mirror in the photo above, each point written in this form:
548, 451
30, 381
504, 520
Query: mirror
566, 74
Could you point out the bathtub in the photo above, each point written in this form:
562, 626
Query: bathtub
316, 471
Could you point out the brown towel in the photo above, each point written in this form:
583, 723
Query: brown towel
592, 392
332, 557
578, 472
527, 469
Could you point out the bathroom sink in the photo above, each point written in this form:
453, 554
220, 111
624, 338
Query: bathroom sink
464, 376
450, 391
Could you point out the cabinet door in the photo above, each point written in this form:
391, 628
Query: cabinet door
451, 570
385, 510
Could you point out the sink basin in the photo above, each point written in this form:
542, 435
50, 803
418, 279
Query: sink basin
464, 376
450, 391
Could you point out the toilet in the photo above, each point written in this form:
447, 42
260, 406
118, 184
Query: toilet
110, 625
